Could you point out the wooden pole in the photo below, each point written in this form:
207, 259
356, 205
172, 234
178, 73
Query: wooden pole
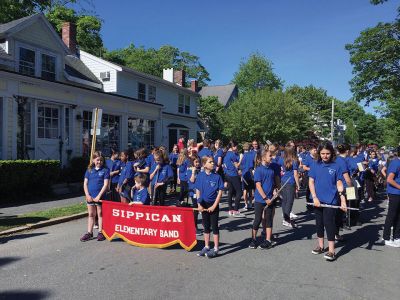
93, 148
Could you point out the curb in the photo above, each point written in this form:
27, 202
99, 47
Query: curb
44, 223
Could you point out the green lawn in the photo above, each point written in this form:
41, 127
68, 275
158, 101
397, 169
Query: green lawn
35, 217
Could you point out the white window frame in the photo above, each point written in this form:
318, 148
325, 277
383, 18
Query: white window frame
152, 93
41, 64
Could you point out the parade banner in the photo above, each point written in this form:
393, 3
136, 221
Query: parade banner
149, 226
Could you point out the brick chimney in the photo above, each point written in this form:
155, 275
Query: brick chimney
194, 85
179, 77
68, 34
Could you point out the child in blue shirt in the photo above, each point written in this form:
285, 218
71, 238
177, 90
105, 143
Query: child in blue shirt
247, 161
370, 175
192, 172
205, 151
182, 165
231, 164
114, 165
266, 179
218, 157
160, 174
173, 158
393, 214
125, 181
139, 194
209, 187
95, 185
325, 186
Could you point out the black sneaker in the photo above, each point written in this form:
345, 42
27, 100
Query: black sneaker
330, 256
253, 244
317, 250
265, 245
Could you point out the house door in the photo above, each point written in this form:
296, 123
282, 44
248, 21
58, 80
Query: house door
48, 132
172, 138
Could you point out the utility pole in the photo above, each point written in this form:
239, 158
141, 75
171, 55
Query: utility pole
332, 130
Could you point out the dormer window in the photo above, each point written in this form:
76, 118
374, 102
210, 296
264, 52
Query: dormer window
48, 67
27, 61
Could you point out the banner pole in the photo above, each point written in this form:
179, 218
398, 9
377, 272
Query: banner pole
93, 148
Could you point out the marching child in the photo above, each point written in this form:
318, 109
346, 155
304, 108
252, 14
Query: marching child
209, 187
160, 174
95, 185
114, 165
266, 178
173, 158
139, 194
247, 166
192, 173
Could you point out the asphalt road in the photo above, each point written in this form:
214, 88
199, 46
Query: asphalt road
51, 263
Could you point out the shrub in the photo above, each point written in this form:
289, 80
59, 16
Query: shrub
22, 178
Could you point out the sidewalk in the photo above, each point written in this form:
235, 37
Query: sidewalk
28, 208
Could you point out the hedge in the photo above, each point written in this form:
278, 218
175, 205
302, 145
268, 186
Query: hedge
22, 178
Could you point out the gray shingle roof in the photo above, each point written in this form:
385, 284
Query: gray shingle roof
76, 68
223, 92
4, 28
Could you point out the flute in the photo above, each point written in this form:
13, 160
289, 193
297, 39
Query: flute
332, 206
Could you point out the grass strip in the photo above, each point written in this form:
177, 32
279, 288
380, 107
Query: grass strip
35, 217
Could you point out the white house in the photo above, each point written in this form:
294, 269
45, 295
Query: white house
48, 92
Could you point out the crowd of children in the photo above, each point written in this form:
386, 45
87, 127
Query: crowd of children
260, 176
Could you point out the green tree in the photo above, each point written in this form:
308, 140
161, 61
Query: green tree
153, 61
87, 27
211, 112
12, 9
256, 72
265, 114
350, 135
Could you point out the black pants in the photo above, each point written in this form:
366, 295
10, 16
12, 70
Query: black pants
113, 193
370, 186
308, 192
184, 185
159, 194
288, 192
392, 218
173, 182
210, 220
325, 219
234, 187
258, 214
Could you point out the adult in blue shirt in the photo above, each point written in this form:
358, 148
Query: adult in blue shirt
231, 164
209, 187
325, 186
393, 214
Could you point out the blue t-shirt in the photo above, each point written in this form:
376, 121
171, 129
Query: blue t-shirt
163, 175
205, 152
394, 167
127, 172
229, 166
150, 161
141, 196
344, 166
373, 164
217, 154
265, 174
325, 177
96, 180
288, 174
192, 187
208, 185
114, 165
247, 164
182, 170
173, 157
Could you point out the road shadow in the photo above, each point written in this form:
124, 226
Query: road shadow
15, 221
24, 294
6, 239
8, 260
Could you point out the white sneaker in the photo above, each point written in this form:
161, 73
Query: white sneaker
392, 243
293, 216
237, 214
286, 223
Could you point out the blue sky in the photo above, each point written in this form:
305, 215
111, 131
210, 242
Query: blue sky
304, 39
